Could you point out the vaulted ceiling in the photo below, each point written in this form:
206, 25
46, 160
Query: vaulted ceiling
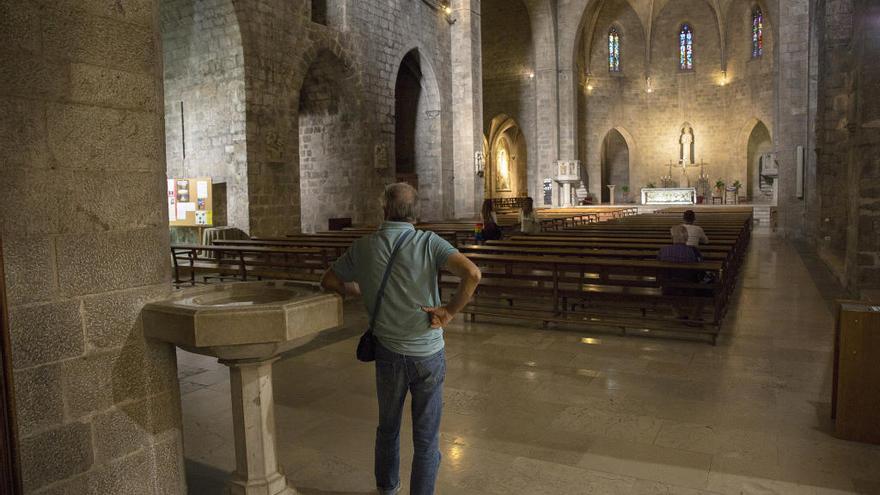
648, 11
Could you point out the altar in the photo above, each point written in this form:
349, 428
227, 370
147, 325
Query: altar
669, 196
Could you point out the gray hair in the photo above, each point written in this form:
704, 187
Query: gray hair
400, 202
679, 234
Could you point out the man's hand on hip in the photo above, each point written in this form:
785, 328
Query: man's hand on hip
440, 316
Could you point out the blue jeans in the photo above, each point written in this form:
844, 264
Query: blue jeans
423, 378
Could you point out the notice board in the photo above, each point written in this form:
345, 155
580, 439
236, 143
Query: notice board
189, 202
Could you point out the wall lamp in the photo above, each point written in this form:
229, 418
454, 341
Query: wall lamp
448, 11
443, 7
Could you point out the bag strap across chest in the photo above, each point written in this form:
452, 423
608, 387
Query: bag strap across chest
381, 293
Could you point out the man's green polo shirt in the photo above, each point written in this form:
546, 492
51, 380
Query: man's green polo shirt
401, 326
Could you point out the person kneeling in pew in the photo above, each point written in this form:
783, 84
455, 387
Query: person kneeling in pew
680, 252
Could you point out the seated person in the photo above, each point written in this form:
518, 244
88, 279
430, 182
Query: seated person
491, 230
696, 234
528, 219
680, 252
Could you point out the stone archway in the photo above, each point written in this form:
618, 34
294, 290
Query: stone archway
205, 119
334, 159
418, 132
506, 171
615, 165
759, 189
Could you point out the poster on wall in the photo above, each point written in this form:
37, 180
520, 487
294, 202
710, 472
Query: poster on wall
189, 202
548, 192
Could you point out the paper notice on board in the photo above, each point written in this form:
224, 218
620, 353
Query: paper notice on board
172, 211
201, 218
182, 208
201, 189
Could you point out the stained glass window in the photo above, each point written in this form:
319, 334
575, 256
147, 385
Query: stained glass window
757, 33
613, 50
686, 47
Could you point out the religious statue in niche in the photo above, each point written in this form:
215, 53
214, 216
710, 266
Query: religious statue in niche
686, 154
502, 171
686, 141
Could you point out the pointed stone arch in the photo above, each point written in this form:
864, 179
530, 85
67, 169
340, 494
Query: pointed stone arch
418, 130
205, 117
754, 140
336, 177
505, 135
616, 158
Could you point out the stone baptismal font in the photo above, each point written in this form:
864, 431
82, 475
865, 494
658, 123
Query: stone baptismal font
247, 326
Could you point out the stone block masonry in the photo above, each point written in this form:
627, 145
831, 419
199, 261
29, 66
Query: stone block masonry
286, 166
85, 245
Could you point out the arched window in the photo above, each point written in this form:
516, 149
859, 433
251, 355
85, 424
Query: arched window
686, 47
319, 11
757, 33
613, 50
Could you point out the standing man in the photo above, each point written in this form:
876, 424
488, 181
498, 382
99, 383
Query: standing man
408, 330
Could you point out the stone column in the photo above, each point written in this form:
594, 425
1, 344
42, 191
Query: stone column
792, 117
611, 188
546, 96
467, 105
568, 145
253, 421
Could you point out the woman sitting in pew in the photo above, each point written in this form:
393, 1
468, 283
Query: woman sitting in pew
491, 231
680, 252
528, 219
696, 234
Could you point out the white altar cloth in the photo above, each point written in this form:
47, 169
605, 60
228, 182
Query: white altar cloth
669, 196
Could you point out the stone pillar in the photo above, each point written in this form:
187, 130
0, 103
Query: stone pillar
546, 95
568, 145
611, 193
863, 244
792, 117
467, 106
253, 421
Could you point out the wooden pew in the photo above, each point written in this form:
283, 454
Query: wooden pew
610, 252
621, 293
244, 262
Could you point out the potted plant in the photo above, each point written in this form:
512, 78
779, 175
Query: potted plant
719, 187
737, 185
625, 189
651, 185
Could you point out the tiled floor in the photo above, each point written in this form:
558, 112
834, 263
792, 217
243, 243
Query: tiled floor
533, 411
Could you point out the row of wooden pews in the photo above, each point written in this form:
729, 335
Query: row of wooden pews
601, 274
607, 275
303, 256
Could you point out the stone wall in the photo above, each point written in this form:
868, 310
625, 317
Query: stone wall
204, 73
371, 39
722, 111
334, 163
85, 241
848, 143
832, 143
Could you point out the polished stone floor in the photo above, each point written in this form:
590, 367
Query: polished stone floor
535, 411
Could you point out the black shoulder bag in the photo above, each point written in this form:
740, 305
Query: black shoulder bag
366, 349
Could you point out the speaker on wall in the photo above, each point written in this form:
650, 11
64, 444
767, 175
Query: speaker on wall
799, 182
